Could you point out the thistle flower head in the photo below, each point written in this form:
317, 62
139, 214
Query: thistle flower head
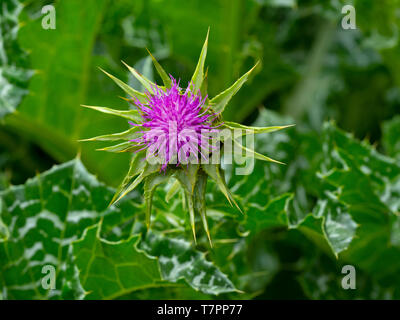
175, 124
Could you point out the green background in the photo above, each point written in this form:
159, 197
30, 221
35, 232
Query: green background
335, 203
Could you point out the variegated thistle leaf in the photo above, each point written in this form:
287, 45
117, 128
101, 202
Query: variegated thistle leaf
109, 270
53, 221
178, 261
41, 219
14, 74
113, 270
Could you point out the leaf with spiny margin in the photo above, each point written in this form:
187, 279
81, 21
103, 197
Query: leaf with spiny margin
391, 137
132, 115
272, 214
129, 90
251, 153
148, 169
377, 176
219, 102
164, 76
190, 204
336, 226
72, 288
127, 146
204, 86
252, 130
198, 76
367, 183
149, 85
43, 217
136, 166
213, 170
176, 292
150, 184
339, 228
108, 270
187, 176
14, 74
199, 200
129, 134
178, 260
312, 227
173, 190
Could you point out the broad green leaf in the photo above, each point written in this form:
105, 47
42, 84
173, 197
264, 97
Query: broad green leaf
273, 214
43, 217
377, 174
51, 115
312, 227
108, 270
219, 102
333, 231
338, 226
179, 261
14, 75
251, 262
367, 183
92, 268
198, 76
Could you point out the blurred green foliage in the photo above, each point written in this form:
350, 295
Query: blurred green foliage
335, 203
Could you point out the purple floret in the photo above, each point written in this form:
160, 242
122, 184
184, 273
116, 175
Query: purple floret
176, 126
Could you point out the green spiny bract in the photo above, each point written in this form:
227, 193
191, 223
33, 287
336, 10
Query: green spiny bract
191, 177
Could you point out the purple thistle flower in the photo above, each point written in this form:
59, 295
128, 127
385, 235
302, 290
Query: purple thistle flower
176, 126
